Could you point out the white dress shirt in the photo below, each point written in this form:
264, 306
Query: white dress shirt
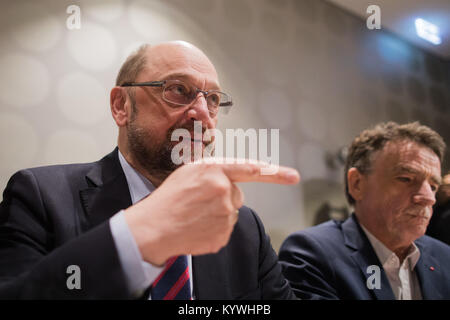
402, 278
139, 274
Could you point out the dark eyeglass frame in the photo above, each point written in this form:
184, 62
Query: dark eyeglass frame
162, 83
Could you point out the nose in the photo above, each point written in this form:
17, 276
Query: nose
198, 110
425, 195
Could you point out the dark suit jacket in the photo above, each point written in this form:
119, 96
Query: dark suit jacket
330, 261
439, 227
56, 216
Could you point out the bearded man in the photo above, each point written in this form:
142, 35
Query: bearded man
134, 224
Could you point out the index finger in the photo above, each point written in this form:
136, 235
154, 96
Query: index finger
257, 171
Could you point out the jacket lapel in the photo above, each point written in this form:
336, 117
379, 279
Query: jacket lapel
429, 273
109, 191
211, 276
364, 256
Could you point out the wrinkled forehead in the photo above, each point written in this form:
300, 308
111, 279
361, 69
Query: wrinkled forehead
408, 155
180, 61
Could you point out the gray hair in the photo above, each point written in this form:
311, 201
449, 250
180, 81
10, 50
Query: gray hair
133, 65
360, 152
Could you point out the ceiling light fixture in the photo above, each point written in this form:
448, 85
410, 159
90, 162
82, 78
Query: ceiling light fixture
428, 31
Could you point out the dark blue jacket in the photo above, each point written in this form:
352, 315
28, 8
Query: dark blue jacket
56, 216
330, 261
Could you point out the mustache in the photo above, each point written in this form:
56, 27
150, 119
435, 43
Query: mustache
208, 138
189, 125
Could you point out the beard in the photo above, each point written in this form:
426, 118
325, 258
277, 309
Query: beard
154, 156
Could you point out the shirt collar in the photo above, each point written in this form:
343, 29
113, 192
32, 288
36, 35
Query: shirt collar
386, 256
139, 186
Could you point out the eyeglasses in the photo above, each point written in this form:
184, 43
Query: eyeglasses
180, 93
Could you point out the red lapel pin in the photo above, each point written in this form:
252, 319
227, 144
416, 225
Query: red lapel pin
432, 268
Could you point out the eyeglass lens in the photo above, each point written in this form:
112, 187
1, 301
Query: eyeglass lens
182, 94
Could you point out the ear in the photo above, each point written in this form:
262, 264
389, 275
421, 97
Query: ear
119, 110
356, 183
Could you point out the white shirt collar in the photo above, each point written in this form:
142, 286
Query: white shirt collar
139, 186
388, 258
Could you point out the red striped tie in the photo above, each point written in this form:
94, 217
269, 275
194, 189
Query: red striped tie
173, 282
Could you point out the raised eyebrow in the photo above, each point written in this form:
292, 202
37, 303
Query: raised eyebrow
437, 180
187, 78
402, 169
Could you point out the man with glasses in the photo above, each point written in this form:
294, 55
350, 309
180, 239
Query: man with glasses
134, 224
